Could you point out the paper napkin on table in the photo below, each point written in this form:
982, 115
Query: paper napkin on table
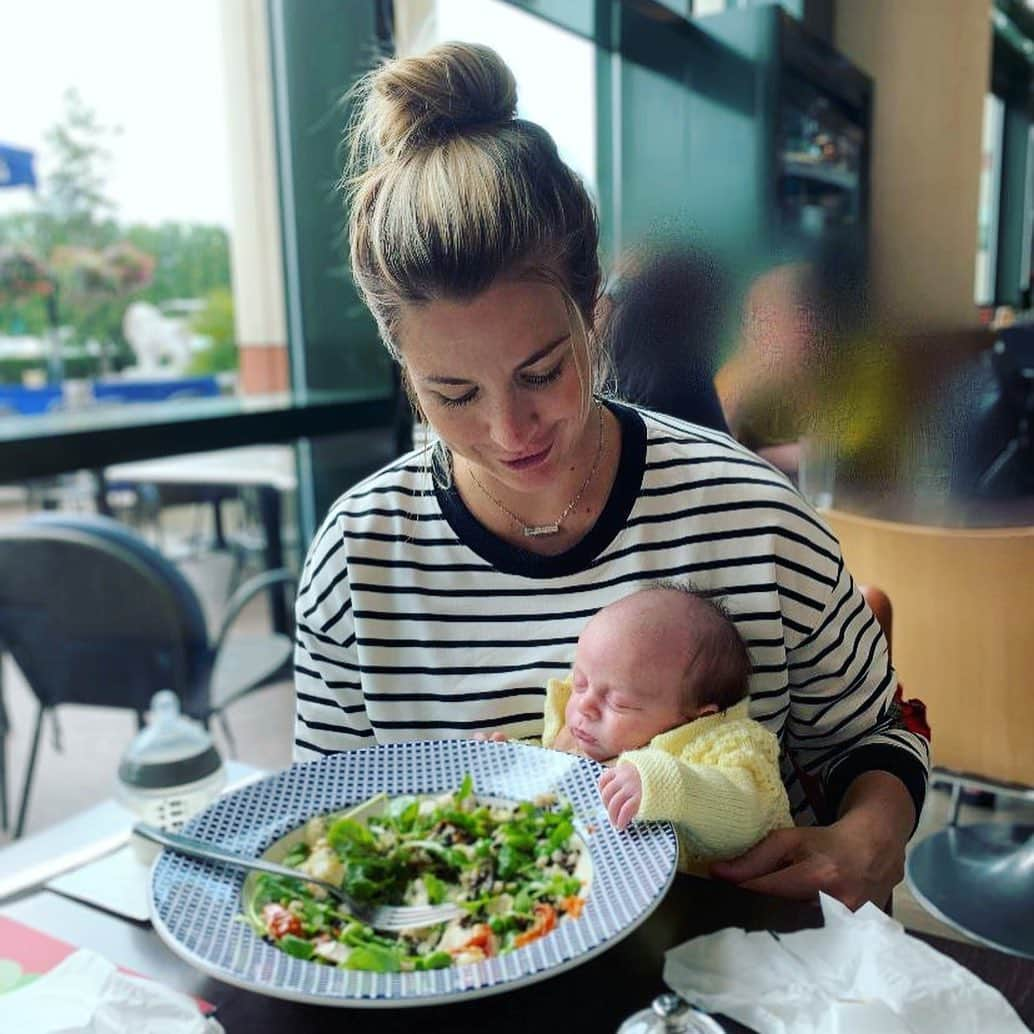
86, 994
119, 882
859, 974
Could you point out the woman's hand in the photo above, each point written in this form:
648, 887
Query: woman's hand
859, 858
798, 863
622, 792
491, 737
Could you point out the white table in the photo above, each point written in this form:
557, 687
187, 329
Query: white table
251, 465
32, 860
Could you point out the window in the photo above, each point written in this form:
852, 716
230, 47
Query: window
115, 267
555, 69
990, 191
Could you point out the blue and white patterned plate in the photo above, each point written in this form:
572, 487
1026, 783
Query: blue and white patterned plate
195, 905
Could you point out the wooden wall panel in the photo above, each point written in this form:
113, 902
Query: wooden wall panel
930, 60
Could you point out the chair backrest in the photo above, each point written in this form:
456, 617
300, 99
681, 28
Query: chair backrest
92, 614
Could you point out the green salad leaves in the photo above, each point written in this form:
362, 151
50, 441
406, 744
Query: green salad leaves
514, 869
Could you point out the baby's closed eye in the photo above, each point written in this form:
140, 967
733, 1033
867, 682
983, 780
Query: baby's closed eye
622, 706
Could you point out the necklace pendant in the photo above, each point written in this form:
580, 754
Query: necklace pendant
534, 530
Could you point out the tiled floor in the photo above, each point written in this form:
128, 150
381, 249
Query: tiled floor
83, 772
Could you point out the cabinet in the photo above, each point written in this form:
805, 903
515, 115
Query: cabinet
738, 131
812, 121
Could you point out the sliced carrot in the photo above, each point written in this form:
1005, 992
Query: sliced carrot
545, 920
572, 906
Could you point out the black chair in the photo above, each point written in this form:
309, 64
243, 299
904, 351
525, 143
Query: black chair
92, 614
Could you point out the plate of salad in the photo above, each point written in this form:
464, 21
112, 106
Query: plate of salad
515, 835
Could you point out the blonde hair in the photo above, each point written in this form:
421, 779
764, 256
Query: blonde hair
449, 190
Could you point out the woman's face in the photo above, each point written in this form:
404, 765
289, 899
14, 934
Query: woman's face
496, 378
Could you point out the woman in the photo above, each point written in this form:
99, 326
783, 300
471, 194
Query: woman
441, 593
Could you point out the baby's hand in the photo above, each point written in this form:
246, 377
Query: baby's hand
622, 791
495, 737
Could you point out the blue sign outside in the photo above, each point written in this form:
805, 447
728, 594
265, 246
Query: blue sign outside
16, 168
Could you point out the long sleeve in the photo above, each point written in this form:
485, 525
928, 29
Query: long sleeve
722, 789
330, 710
842, 719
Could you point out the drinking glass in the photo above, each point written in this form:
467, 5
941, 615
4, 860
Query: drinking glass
816, 475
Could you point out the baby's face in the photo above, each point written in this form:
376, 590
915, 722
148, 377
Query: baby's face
626, 688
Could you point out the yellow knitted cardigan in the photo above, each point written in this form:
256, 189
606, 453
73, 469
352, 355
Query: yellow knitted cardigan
716, 777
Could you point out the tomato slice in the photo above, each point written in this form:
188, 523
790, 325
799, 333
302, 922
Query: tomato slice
280, 921
483, 938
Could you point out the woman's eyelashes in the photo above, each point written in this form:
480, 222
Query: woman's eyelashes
530, 380
462, 400
538, 380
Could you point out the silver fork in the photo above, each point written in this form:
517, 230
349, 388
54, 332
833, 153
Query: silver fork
380, 917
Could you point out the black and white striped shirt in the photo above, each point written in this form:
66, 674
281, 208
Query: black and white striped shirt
414, 622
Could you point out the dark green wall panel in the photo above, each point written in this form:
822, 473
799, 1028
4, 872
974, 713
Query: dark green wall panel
1013, 226
320, 47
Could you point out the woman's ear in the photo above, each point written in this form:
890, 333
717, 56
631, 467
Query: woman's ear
705, 710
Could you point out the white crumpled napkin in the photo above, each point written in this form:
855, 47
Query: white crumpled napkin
859, 974
86, 994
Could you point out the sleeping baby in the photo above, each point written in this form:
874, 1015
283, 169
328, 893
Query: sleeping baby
659, 691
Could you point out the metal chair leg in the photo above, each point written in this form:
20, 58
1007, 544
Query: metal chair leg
3, 770
230, 741
955, 804
5, 728
29, 772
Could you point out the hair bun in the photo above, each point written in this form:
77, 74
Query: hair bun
415, 101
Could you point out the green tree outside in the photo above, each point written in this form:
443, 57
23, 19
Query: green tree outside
215, 321
75, 213
73, 197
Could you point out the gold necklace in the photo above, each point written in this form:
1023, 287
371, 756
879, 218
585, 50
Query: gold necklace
536, 530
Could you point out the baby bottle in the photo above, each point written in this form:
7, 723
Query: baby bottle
170, 771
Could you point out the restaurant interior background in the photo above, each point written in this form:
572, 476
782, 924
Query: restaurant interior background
181, 347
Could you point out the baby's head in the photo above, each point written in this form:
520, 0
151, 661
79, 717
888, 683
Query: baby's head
650, 662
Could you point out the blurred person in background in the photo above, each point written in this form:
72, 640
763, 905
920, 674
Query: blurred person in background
808, 365
767, 387
662, 323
